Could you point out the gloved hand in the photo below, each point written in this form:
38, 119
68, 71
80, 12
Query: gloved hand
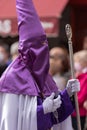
50, 104
73, 85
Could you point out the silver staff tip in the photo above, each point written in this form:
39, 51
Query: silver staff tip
68, 30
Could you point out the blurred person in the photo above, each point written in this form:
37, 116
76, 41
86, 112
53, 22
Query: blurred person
14, 51
85, 43
4, 56
85, 105
59, 64
80, 63
29, 98
4, 53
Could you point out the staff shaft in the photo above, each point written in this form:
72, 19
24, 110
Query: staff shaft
73, 76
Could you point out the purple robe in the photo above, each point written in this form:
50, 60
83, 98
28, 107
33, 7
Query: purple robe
28, 74
46, 121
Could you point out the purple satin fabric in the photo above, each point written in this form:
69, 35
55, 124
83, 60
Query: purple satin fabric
28, 74
46, 121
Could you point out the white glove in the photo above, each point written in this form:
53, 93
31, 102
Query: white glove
73, 85
50, 104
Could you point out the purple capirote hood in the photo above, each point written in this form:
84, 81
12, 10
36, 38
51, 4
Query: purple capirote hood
28, 74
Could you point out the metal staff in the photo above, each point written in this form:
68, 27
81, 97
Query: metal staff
69, 36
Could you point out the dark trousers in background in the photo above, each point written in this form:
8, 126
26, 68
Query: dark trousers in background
74, 122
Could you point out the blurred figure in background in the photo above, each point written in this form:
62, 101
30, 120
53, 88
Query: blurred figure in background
59, 66
80, 63
85, 43
4, 54
4, 57
14, 51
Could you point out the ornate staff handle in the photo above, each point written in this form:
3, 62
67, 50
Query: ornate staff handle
68, 30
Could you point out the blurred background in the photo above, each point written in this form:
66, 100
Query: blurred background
54, 15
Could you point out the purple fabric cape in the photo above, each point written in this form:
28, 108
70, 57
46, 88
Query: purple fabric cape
28, 74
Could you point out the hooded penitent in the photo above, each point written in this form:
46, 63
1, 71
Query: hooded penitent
28, 74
